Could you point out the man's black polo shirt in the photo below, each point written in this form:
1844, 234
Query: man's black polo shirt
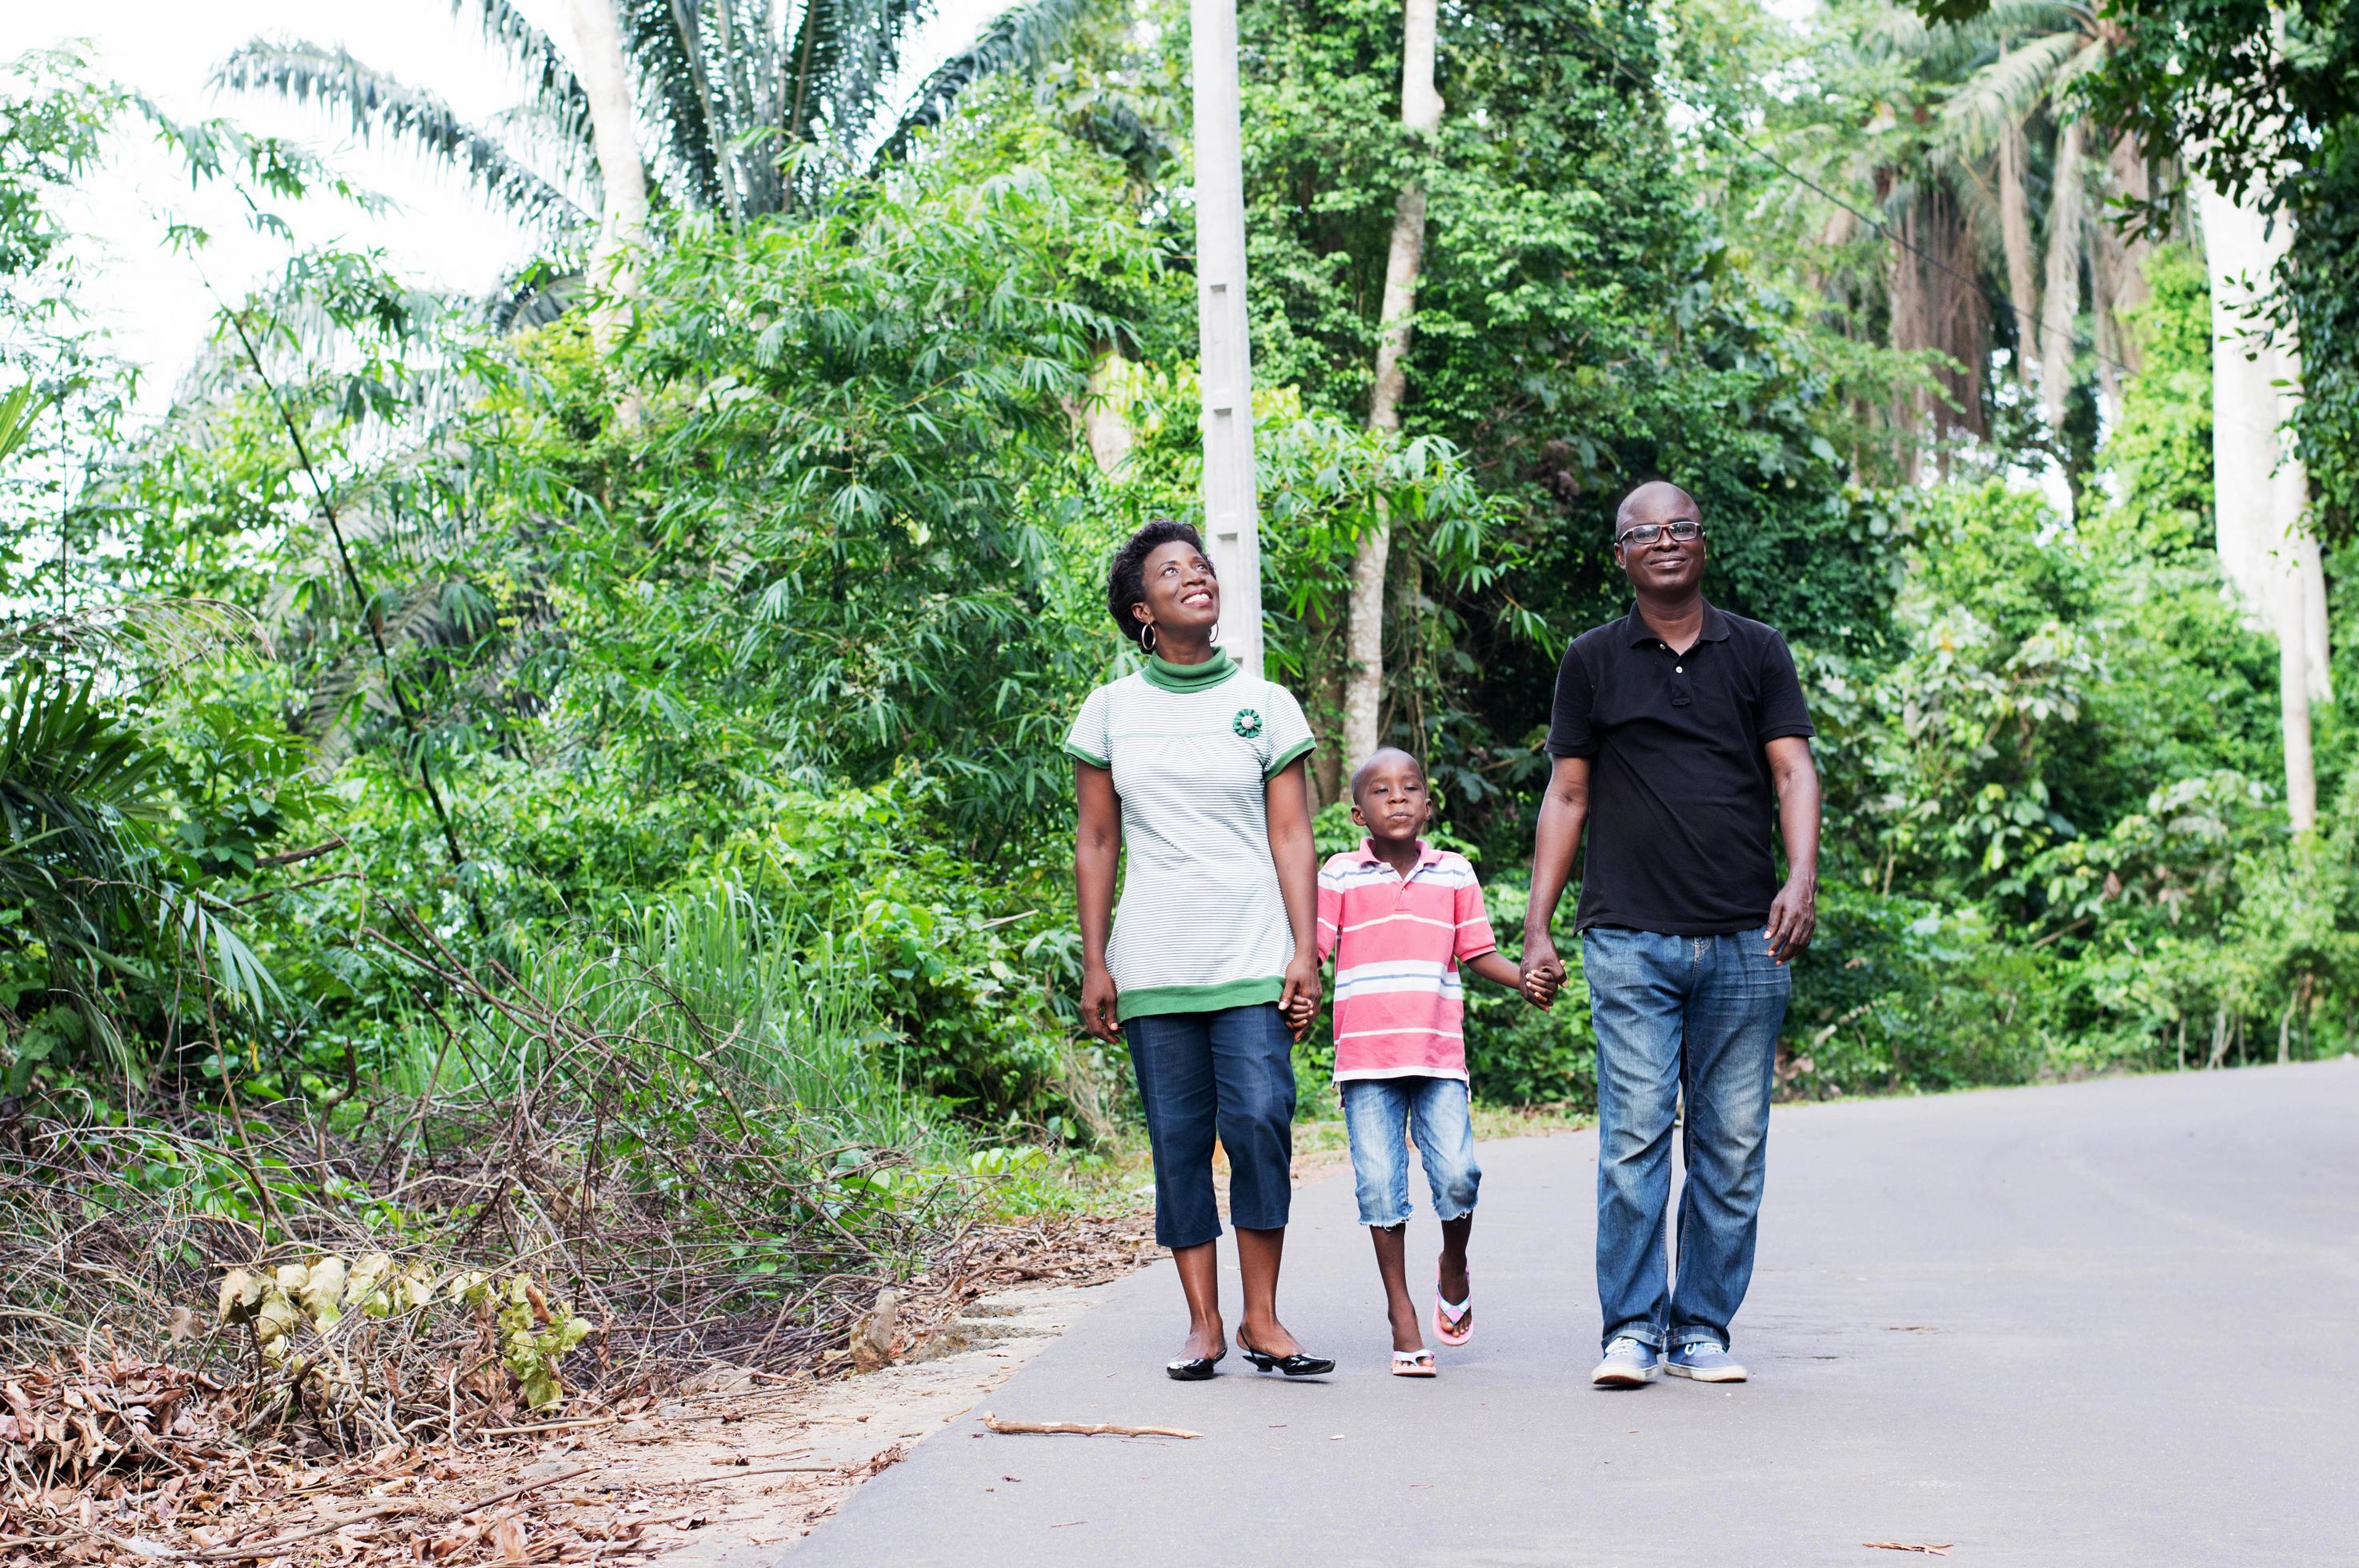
1679, 796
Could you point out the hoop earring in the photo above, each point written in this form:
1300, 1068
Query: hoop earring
1216, 634
1146, 639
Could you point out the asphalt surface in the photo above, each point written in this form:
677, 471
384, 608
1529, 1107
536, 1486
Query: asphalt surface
2102, 1323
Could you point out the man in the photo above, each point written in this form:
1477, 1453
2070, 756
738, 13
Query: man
1673, 726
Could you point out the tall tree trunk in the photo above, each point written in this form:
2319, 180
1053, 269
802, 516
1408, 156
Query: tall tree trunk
2022, 261
2260, 491
606, 81
2061, 310
2132, 182
2104, 279
1363, 683
1909, 315
1105, 410
2117, 269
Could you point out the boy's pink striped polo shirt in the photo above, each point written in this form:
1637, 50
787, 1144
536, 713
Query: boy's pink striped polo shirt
1400, 1008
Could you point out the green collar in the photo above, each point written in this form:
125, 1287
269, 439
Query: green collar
1162, 672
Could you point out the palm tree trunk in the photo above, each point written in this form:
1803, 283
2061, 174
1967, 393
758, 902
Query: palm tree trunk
2022, 266
2062, 312
2260, 492
1363, 683
2130, 252
1909, 319
2104, 278
606, 79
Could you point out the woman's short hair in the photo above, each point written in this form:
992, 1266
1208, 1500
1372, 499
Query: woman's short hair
1126, 579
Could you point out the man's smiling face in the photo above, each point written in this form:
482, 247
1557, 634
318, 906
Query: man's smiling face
1665, 566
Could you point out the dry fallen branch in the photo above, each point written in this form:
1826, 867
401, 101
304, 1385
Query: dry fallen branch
1086, 1429
1931, 1549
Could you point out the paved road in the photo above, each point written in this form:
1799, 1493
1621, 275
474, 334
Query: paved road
2106, 1323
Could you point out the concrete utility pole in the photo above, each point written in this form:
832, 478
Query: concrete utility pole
1231, 511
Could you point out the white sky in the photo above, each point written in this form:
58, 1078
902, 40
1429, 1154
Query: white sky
437, 233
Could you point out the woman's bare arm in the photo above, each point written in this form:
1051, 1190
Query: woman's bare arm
1295, 852
1097, 853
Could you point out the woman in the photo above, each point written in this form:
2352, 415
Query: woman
1212, 968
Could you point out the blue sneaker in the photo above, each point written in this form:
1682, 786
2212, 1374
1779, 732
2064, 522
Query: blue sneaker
1706, 1362
1628, 1364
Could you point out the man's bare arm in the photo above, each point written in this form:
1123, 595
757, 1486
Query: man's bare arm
1794, 913
1564, 811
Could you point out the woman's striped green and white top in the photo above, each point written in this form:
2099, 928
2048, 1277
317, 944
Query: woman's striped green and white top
1200, 925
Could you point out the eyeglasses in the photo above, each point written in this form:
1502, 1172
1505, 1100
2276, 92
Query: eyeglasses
1684, 532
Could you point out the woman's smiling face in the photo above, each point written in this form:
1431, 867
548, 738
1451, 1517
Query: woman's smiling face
1182, 594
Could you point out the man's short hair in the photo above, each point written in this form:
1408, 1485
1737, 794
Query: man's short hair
1613, 523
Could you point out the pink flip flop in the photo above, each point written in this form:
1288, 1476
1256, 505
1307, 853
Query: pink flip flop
1413, 1364
1453, 1321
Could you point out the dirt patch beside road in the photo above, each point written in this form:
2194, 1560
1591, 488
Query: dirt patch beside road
720, 1472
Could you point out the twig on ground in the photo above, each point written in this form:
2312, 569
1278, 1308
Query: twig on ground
548, 1426
1086, 1429
527, 1486
261, 1549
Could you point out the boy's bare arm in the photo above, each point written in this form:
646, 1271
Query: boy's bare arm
1498, 968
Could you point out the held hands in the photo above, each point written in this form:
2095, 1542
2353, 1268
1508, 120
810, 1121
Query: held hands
1299, 1002
1541, 974
1793, 918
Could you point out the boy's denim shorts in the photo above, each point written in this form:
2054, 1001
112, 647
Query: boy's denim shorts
1377, 1112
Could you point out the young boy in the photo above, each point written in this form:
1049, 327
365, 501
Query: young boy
1400, 918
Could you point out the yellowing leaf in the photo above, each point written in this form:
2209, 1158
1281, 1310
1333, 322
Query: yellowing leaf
365, 1277
324, 1290
242, 1291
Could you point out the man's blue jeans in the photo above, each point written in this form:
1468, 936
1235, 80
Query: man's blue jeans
1673, 1014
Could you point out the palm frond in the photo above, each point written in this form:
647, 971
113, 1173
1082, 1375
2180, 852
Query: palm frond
558, 102
378, 105
534, 298
2007, 91
18, 409
1945, 48
663, 38
1022, 37
162, 635
71, 779
839, 61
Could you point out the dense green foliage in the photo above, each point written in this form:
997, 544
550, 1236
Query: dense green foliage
2264, 100
763, 627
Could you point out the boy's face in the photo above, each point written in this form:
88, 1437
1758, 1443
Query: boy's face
1391, 802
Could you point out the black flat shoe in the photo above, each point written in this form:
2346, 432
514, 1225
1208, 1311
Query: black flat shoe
1295, 1366
1194, 1372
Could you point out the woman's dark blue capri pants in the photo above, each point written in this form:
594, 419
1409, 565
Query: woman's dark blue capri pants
1231, 1071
